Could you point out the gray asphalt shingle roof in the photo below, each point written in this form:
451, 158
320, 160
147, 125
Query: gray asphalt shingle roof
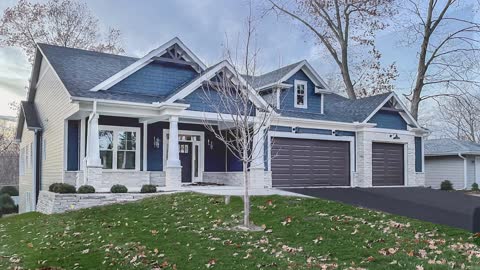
30, 114
450, 147
81, 70
270, 77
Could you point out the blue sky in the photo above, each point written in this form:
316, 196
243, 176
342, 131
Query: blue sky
203, 26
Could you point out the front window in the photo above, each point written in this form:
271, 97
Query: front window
118, 148
300, 94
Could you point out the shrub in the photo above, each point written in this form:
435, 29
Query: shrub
119, 189
62, 188
148, 189
10, 190
7, 205
475, 187
53, 187
446, 185
86, 189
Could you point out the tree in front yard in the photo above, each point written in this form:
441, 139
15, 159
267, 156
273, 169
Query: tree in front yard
241, 124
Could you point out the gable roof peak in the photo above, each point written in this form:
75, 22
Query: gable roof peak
184, 53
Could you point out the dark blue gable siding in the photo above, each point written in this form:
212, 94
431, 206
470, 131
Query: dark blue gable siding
388, 119
203, 98
418, 155
287, 96
73, 145
157, 79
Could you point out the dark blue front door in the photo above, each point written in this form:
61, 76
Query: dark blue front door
186, 161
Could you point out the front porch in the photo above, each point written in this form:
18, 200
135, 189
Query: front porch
171, 152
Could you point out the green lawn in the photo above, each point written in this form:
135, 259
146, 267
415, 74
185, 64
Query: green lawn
189, 231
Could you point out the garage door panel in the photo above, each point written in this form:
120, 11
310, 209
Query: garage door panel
387, 164
302, 162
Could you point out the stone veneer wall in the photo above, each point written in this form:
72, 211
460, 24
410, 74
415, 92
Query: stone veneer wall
130, 179
234, 178
363, 175
51, 203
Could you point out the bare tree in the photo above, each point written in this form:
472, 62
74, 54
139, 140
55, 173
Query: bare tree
448, 47
339, 24
66, 23
460, 118
240, 123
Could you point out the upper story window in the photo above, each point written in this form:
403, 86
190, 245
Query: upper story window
300, 99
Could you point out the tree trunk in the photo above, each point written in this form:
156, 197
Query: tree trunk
346, 72
246, 197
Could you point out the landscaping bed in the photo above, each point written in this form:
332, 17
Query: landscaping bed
192, 231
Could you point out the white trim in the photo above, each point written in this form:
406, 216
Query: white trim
281, 134
465, 170
201, 152
42, 74
145, 143
309, 71
195, 84
65, 147
124, 73
399, 102
278, 92
322, 102
115, 130
423, 154
305, 94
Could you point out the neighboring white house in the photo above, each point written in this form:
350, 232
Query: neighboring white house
103, 119
454, 160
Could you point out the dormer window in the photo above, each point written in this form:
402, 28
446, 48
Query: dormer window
300, 94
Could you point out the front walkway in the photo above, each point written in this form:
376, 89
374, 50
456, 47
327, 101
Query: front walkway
455, 209
232, 191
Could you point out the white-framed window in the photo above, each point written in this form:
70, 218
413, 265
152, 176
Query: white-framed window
119, 148
300, 92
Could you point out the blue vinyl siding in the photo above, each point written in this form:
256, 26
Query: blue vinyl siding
387, 119
202, 98
287, 96
156, 79
418, 155
73, 145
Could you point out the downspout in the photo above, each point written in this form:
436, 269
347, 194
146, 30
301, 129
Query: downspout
34, 169
464, 170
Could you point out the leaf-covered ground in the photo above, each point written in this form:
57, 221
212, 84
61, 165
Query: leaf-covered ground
190, 231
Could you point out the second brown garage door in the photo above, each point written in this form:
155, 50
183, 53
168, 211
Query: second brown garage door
303, 162
387, 164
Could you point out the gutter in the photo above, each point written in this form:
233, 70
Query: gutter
464, 170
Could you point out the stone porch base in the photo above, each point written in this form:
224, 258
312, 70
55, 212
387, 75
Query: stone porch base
51, 203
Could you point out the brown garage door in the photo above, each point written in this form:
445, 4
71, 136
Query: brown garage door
302, 162
387, 164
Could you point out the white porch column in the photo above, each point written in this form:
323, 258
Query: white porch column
173, 170
257, 167
93, 172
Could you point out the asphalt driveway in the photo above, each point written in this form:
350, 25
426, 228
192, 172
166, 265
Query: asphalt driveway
449, 208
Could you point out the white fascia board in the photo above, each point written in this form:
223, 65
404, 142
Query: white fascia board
257, 99
122, 74
311, 123
309, 71
274, 85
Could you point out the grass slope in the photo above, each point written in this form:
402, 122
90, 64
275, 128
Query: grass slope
190, 231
